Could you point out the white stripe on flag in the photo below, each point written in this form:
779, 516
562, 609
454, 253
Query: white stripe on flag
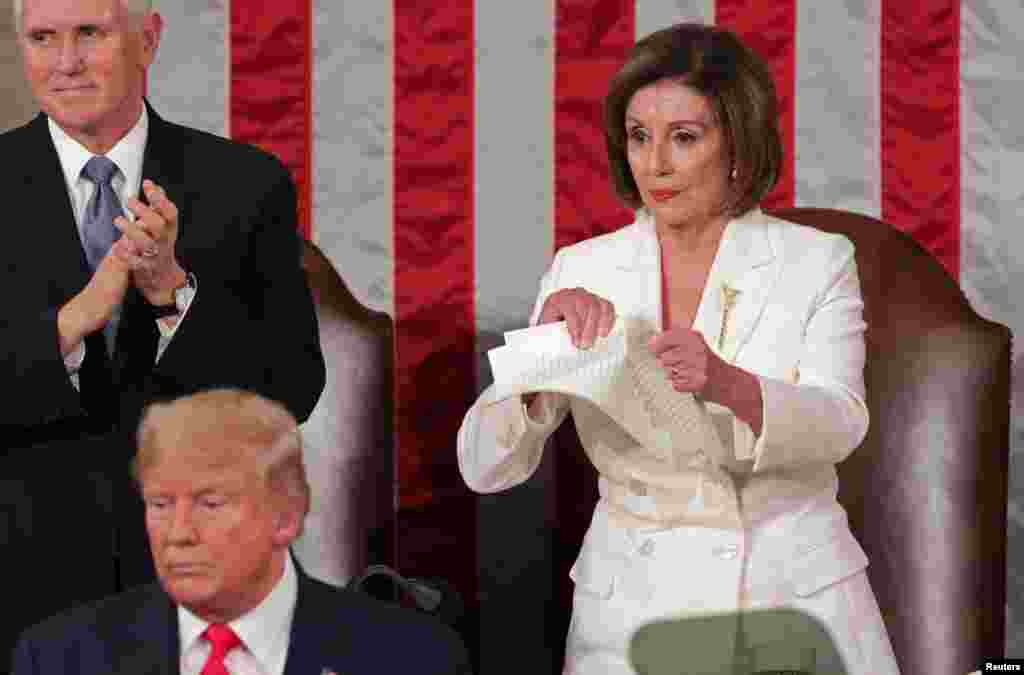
514, 236
991, 237
837, 106
992, 159
514, 161
352, 142
652, 15
188, 82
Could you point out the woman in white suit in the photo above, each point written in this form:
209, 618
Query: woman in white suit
759, 318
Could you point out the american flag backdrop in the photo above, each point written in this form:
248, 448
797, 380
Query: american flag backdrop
444, 149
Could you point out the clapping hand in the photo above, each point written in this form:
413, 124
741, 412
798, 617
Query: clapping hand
148, 244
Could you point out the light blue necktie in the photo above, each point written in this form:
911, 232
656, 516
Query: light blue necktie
98, 230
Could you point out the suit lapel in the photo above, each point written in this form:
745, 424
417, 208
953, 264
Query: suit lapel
150, 639
137, 335
741, 279
304, 656
322, 630
164, 164
639, 271
744, 268
52, 235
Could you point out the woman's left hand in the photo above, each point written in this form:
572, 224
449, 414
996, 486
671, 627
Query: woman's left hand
690, 364
692, 367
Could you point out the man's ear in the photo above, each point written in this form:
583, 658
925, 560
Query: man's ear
152, 29
288, 524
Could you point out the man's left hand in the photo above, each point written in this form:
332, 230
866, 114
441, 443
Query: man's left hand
150, 242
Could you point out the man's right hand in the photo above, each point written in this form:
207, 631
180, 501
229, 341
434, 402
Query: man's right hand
94, 306
586, 315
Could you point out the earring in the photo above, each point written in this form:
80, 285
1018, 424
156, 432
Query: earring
732, 174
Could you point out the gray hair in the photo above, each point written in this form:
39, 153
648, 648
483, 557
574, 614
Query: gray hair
136, 8
244, 427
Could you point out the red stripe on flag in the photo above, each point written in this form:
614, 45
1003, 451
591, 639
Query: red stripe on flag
271, 78
435, 325
920, 126
769, 28
433, 241
592, 39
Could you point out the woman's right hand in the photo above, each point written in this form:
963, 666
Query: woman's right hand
586, 315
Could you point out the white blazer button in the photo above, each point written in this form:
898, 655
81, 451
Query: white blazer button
727, 552
646, 548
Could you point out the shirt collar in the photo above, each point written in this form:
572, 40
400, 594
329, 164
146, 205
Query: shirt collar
263, 629
126, 153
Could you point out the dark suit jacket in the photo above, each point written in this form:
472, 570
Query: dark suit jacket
339, 631
64, 489
252, 324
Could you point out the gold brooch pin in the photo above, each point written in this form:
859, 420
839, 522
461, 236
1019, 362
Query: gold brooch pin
729, 297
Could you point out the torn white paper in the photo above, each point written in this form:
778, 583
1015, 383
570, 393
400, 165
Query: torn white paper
620, 376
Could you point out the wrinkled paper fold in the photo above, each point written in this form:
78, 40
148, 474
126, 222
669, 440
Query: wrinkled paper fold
619, 375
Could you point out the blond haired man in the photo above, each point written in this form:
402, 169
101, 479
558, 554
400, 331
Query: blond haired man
225, 491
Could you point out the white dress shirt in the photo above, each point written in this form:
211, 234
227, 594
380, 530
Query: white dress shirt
265, 632
128, 155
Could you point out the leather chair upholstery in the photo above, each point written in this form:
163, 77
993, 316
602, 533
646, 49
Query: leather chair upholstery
926, 491
347, 440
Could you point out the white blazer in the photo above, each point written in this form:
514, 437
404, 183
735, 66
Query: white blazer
796, 322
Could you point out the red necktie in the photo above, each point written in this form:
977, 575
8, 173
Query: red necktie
223, 640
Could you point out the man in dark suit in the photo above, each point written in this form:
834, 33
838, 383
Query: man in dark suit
225, 494
139, 260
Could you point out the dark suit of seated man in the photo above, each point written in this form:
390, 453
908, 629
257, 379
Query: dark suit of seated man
225, 494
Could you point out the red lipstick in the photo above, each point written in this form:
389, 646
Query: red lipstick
663, 195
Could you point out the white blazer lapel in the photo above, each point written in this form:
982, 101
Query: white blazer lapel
639, 274
741, 280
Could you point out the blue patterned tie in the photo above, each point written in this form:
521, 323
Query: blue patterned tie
98, 230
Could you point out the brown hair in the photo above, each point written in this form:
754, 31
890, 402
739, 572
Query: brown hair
736, 83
